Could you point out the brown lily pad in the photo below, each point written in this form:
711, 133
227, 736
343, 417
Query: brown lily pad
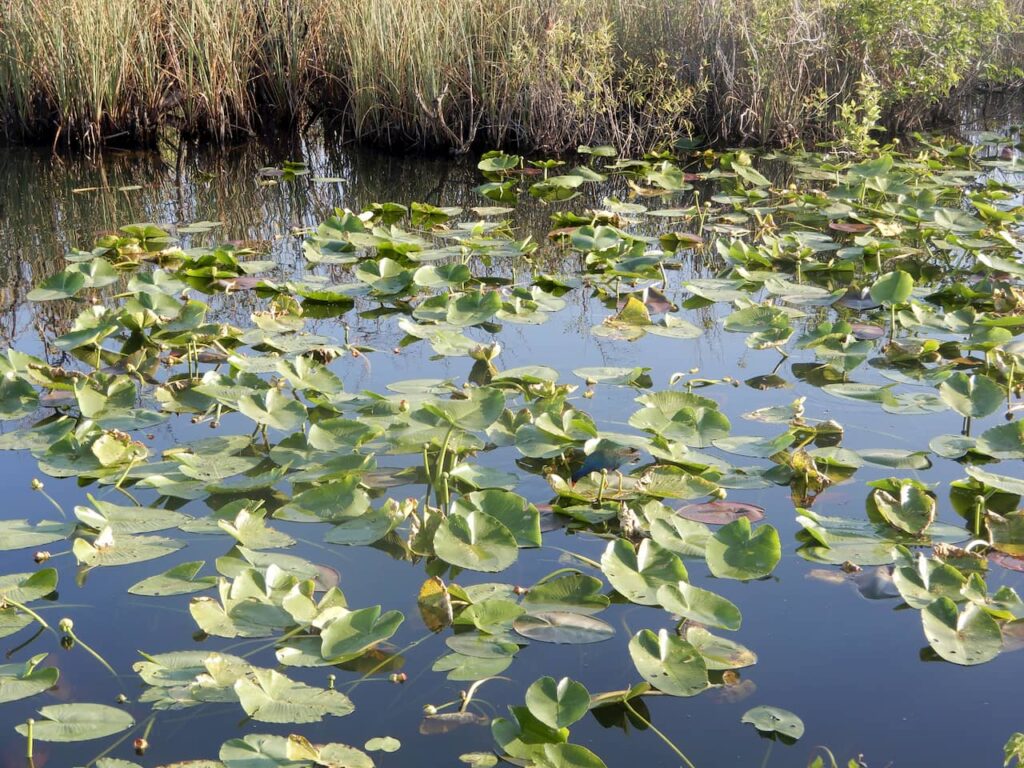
866, 332
720, 512
1007, 561
850, 227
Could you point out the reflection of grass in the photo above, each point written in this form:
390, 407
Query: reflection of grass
549, 73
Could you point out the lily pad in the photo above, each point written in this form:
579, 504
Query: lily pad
775, 720
669, 663
78, 722
563, 627
736, 552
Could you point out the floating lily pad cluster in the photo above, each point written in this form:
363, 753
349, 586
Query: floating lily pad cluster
900, 266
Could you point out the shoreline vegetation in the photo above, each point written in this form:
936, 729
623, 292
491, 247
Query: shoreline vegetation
545, 75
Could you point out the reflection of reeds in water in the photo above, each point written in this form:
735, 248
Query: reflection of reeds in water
49, 206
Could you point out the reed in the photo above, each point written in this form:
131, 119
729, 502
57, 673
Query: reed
547, 74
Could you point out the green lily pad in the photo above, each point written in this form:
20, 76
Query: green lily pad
775, 720
567, 590
972, 395
19, 681
669, 663
563, 627
700, 605
477, 541
637, 574
967, 638
736, 552
353, 633
557, 704
179, 580
270, 697
78, 722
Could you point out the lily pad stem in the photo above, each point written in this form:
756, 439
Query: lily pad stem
25, 609
68, 628
37, 485
659, 734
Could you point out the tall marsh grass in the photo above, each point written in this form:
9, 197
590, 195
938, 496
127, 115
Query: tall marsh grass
541, 73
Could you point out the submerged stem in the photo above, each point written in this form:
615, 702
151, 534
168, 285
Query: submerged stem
659, 734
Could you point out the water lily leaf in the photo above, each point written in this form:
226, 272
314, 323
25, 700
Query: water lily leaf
340, 756
19, 681
557, 704
108, 550
836, 540
913, 403
775, 720
251, 531
26, 587
78, 722
720, 653
521, 518
699, 605
170, 670
479, 759
686, 538
563, 627
766, 326
756, 447
332, 502
895, 458
568, 756
920, 582
567, 590
273, 409
693, 420
435, 604
354, 632
1004, 483
967, 638
912, 511
1006, 532
892, 287
270, 697
525, 736
481, 646
382, 744
12, 620
213, 468
972, 395
260, 751
952, 446
1003, 442
18, 398
179, 580
720, 512
369, 527
468, 668
669, 663
122, 519
637, 574
21, 534
735, 552
62, 285
477, 541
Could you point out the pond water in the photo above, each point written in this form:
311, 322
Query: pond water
843, 651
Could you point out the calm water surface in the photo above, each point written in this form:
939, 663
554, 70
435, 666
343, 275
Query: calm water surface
857, 671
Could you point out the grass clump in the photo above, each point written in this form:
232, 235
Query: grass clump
547, 74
